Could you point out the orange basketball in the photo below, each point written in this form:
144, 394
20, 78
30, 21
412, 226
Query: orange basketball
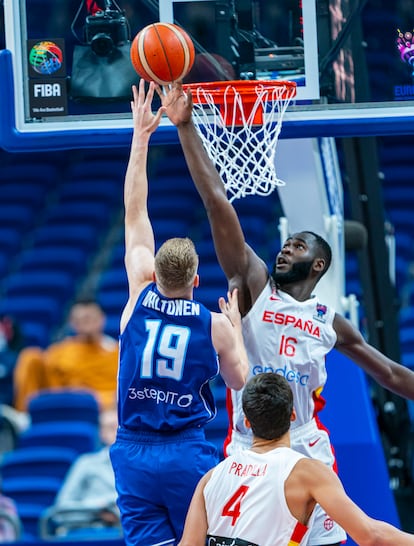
162, 52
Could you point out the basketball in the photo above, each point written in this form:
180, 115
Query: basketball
162, 52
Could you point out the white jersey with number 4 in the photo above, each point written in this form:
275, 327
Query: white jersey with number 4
291, 338
245, 499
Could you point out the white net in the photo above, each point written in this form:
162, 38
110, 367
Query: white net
241, 139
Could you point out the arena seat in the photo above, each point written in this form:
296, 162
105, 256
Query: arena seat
57, 284
113, 301
114, 278
67, 233
83, 189
16, 216
71, 259
35, 308
63, 405
37, 461
79, 435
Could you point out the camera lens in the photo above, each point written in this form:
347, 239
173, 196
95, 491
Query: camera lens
102, 44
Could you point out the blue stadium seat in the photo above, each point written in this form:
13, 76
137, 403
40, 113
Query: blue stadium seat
114, 278
205, 250
37, 461
57, 284
112, 325
395, 153
23, 192
29, 171
42, 309
36, 334
97, 190
173, 162
30, 514
86, 212
78, 435
16, 216
209, 295
116, 260
398, 196
73, 260
99, 169
78, 234
167, 228
32, 490
32, 496
211, 275
258, 206
63, 405
168, 207
10, 240
114, 301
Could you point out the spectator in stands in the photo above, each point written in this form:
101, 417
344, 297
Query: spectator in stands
11, 343
88, 494
10, 524
87, 359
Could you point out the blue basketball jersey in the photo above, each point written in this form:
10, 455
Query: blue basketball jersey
167, 359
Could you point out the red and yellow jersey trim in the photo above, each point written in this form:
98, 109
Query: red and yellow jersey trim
298, 533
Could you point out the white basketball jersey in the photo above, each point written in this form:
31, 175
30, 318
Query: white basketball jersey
291, 338
245, 499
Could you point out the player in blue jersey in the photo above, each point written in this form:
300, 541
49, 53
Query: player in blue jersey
171, 346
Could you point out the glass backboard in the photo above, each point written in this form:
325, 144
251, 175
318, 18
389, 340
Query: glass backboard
352, 62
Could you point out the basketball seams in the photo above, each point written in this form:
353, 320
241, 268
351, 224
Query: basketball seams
162, 46
143, 57
165, 45
186, 50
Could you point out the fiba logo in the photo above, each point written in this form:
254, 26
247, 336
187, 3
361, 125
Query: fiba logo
45, 58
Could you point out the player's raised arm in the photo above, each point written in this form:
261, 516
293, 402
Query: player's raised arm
388, 373
139, 236
325, 488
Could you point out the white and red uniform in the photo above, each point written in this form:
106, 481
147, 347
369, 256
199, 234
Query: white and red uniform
240, 492
290, 337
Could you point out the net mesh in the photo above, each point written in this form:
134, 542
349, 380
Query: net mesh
240, 133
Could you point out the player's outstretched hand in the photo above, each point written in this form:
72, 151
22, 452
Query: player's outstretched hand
230, 308
145, 122
178, 103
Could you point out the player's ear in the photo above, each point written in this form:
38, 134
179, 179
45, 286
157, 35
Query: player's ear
154, 278
247, 423
196, 282
319, 264
293, 416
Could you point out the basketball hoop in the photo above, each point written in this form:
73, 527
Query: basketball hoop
239, 123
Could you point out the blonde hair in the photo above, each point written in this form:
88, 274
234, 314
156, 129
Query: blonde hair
176, 263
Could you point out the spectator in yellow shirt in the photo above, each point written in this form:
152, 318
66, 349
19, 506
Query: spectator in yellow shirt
87, 359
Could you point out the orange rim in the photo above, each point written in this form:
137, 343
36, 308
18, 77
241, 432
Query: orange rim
246, 88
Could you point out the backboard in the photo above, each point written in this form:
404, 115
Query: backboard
352, 62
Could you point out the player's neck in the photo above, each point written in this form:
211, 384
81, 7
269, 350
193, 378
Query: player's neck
181, 294
261, 445
299, 291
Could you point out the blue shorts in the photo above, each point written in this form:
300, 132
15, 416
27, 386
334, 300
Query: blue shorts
155, 476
